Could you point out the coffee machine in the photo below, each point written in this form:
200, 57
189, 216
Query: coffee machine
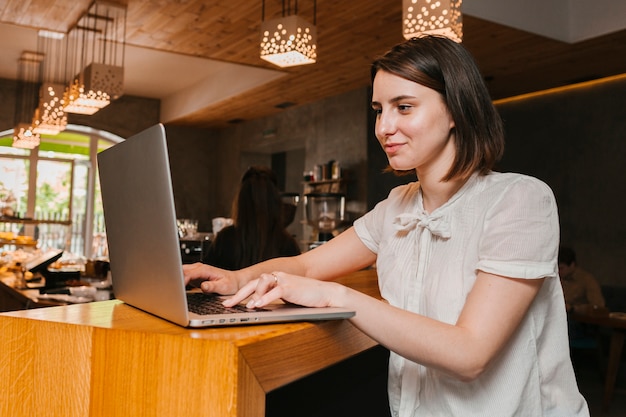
325, 214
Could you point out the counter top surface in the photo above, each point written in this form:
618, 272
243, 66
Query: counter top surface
118, 315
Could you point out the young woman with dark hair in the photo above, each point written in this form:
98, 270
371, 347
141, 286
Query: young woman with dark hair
466, 257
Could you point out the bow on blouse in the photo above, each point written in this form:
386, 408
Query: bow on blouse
406, 222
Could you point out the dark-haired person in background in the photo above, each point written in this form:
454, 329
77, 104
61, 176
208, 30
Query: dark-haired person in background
581, 290
582, 294
258, 232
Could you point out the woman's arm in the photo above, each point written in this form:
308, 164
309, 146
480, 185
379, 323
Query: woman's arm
493, 311
337, 257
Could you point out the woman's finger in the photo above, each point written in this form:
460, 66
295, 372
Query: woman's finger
243, 293
265, 291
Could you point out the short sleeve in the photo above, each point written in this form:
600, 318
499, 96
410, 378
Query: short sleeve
368, 227
374, 225
521, 232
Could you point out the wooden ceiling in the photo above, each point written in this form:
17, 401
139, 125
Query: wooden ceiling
350, 35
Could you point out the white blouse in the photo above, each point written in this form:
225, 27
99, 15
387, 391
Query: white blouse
504, 224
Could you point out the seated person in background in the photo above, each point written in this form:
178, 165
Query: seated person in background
258, 231
581, 290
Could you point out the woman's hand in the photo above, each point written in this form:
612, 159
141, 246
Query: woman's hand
211, 279
290, 288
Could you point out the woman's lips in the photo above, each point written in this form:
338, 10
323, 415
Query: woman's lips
392, 148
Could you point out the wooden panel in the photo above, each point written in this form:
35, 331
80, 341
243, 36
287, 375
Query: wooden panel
249, 392
323, 345
42, 371
148, 374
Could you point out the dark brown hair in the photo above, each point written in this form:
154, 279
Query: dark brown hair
448, 68
257, 215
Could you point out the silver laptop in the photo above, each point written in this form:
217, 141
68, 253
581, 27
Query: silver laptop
144, 248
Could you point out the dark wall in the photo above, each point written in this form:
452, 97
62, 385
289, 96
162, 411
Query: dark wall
575, 141
7, 103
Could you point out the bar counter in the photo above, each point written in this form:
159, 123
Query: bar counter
109, 359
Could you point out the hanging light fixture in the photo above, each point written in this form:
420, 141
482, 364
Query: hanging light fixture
432, 17
96, 58
290, 40
50, 118
29, 66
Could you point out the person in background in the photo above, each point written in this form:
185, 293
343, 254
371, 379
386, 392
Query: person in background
473, 310
258, 232
581, 290
582, 295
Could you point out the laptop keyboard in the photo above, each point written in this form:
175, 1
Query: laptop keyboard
201, 303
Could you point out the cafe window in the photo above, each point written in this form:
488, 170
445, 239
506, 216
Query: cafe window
52, 193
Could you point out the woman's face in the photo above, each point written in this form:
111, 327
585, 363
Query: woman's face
413, 125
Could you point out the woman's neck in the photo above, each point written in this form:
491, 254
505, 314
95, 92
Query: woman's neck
435, 192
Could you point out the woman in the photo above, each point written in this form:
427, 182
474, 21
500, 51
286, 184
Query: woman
466, 257
258, 232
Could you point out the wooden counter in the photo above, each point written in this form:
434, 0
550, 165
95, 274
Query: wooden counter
109, 359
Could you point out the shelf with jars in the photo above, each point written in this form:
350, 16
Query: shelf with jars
325, 178
338, 185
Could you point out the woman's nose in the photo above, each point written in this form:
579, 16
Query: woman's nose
385, 125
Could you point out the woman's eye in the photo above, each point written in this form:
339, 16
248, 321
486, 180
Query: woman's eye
377, 111
404, 107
